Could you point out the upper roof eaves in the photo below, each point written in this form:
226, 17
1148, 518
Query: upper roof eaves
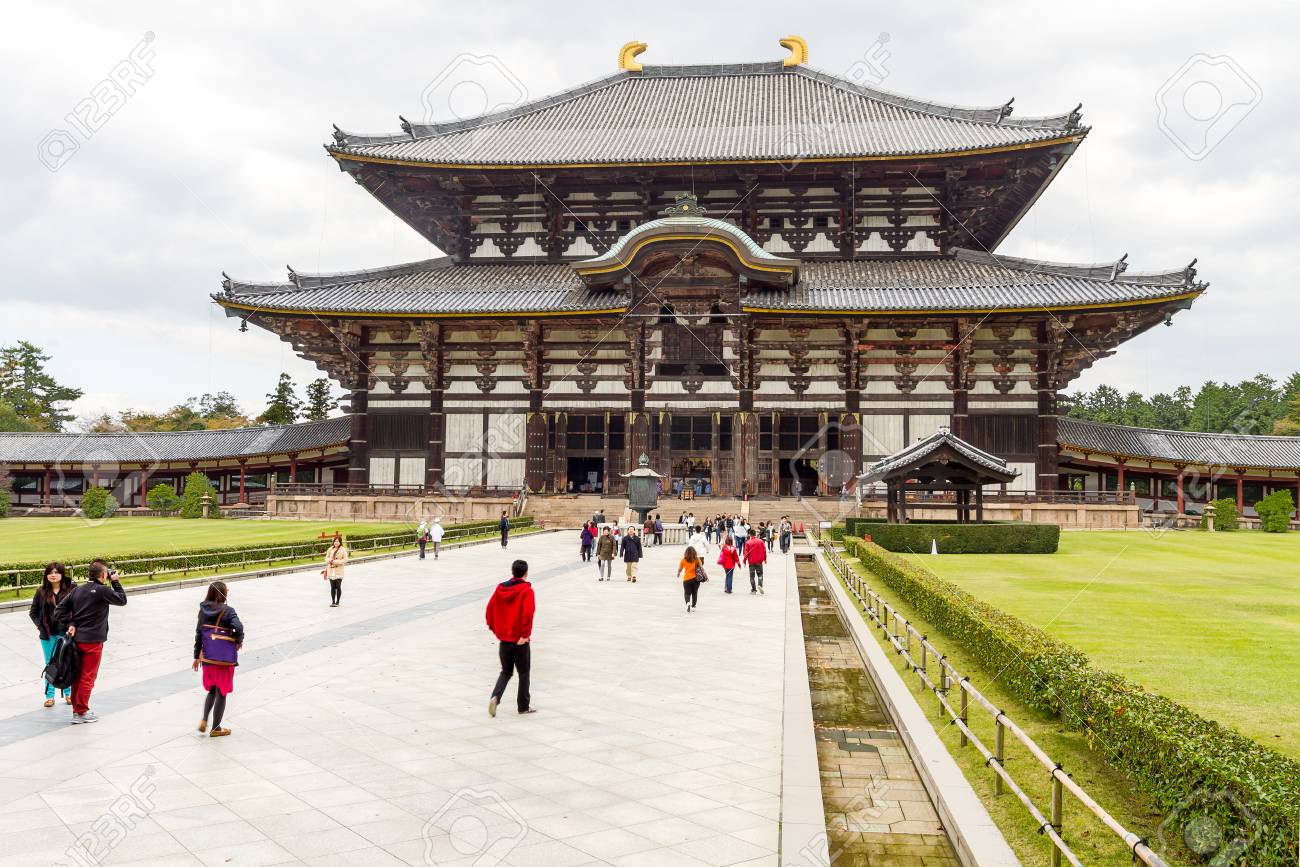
1067, 123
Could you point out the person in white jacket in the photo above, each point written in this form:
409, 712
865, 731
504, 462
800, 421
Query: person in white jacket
435, 535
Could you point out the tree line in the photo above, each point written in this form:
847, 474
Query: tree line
1259, 405
33, 401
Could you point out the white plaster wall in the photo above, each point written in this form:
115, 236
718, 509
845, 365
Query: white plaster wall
465, 432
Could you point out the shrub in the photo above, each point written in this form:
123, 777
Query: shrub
97, 503
162, 498
147, 562
196, 485
1275, 511
4, 504
1225, 514
1001, 538
1172, 753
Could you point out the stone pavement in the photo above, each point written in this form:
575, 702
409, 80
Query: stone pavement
361, 734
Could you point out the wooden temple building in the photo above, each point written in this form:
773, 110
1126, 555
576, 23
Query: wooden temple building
763, 276
736, 269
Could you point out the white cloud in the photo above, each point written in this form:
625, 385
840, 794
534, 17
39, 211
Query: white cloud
215, 164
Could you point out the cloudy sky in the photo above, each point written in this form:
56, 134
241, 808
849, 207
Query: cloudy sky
115, 224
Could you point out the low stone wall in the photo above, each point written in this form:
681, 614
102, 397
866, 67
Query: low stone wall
1068, 516
412, 509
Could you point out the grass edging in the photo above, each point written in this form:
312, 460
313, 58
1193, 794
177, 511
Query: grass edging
1087, 836
140, 584
1189, 766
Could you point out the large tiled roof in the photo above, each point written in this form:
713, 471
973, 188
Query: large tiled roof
968, 280
1203, 449
917, 452
963, 281
434, 286
198, 445
739, 112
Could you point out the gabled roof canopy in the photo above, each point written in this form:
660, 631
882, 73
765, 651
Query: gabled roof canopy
937, 454
685, 227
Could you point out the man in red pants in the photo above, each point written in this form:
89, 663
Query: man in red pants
510, 617
84, 616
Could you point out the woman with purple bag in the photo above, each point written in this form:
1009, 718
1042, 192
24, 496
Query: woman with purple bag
217, 639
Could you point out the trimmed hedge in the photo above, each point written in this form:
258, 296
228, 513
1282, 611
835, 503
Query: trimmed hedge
999, 538
1189, 765
154, 561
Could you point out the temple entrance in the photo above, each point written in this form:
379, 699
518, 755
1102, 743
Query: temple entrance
693, 474
800, 470
586, 475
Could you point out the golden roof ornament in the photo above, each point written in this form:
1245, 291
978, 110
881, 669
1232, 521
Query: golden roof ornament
684, 205
798, 50
627, 56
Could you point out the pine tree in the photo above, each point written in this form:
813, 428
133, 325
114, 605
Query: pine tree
31, 393
320, 400
283, 404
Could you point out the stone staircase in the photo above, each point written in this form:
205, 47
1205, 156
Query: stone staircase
570, 510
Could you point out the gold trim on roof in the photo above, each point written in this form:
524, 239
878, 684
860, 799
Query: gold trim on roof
626, 256
785, 311
342, 155
779, 311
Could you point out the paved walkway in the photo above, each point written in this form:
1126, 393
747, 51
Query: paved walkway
361, 734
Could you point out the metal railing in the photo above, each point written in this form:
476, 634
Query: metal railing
215, 561
317, 489
903, 640
1069, 498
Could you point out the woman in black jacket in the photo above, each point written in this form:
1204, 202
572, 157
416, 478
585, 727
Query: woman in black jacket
54, 588
218, 619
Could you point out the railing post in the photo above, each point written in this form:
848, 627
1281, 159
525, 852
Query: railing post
1057, 810
1000, 753
964, 698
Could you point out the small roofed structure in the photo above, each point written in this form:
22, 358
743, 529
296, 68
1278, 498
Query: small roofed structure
938, 463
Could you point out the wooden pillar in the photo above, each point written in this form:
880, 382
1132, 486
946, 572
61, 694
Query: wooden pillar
358, 448
243, 472
144, 486
1046, 465
1119, 485
775, 418
979, 505
561, 446
1240, 492
715, 452
293, 468
46, 488
823, 484
960, 386
1180, 491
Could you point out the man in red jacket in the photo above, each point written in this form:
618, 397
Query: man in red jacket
510, 617
755, 556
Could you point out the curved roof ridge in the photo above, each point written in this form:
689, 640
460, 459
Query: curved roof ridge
419, 130
1115, 271
998, 114
1190, 433
314, 280
260, 428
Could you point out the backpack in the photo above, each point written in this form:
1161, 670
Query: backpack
64, 665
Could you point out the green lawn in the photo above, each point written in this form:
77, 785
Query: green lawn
1211, 620
24, 540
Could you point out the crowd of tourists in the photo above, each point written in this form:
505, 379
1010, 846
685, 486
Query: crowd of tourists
72, 619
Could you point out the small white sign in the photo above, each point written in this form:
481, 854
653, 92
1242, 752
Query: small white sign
826, 525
